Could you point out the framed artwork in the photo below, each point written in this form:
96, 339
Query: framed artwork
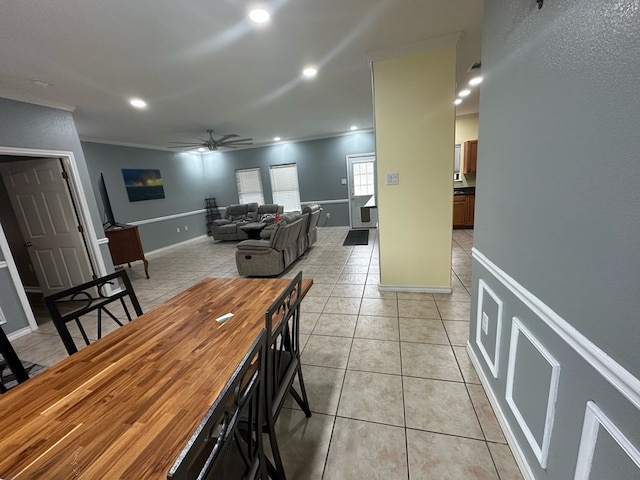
143, 184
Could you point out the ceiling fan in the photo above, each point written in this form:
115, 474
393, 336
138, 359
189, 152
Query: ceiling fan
230, 140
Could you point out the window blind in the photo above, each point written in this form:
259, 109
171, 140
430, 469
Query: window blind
249, 186
284, 185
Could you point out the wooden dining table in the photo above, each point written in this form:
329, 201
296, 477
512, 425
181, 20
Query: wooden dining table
125, 406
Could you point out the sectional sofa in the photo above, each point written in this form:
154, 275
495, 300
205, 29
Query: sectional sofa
238, 215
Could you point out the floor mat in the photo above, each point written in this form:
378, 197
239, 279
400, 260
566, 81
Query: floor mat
357, 237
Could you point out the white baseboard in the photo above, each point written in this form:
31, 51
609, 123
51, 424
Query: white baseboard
518, 454
19, 333
407, 289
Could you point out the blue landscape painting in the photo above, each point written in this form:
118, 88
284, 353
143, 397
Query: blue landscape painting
143, 184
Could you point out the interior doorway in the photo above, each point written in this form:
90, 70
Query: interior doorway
361, 172
50, 243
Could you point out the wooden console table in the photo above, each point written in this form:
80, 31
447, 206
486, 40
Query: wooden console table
125, 245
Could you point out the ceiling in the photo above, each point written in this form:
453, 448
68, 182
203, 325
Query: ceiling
201, 64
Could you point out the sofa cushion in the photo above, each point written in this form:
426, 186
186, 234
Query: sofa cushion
254, 245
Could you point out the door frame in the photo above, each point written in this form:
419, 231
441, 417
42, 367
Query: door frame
357, 156
78, 193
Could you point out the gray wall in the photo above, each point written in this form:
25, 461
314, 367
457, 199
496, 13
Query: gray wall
557, 224
184, 189
31, 126
321, 168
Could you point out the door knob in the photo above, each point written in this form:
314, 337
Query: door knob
28, 244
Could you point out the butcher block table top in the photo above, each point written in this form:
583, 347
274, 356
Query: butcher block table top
125, 406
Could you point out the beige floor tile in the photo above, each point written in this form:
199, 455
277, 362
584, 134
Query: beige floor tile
443, 457
488, 420
352, 278
308, 321
347, 306
454, 310
319, 290
366, 451
361, 269
384, 307
303, 443
418, 309
429, 361
440, 406
468, 371
504, 461
323, 386
458, 332
372, 291
326, 351
375, 397
380, 356
325, 278
424, 297
377, 328
345, 290
458, 294
336, 324
313, 304
423, 331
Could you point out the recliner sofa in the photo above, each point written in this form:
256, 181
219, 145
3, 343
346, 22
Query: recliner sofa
238, 215
289, 239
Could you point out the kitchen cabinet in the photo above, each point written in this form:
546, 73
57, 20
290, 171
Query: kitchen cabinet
463, 210
470, 156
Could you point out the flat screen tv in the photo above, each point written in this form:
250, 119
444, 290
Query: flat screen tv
108, 220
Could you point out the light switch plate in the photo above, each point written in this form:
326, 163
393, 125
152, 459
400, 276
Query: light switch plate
393, 178
343, 181
485, 323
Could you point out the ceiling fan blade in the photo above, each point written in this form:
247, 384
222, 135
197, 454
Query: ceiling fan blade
236, 140
186, 143
224, 138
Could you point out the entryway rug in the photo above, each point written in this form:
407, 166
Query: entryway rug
357, 237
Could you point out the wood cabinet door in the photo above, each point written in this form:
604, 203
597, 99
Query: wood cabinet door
470, 210
470, 156
459, 210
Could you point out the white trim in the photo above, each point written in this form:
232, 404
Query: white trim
32, 289
3, 264
103, 241
167, 217
168, 247
593, 419
518, 454
541, 451
17, 282
494, 364
19, 333
326, 202
612, 371
404, 288
357, 158
3, 319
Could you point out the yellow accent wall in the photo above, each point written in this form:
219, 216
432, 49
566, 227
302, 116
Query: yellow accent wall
415, 123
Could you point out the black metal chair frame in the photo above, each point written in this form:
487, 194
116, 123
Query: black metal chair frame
282, 322
232, 428
85, 293
12, 361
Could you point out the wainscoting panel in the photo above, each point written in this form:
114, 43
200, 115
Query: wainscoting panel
489, 326
569, 410
532, 377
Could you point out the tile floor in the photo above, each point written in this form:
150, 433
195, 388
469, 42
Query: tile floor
391, 388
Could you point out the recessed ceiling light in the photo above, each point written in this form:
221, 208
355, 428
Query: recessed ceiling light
276, 139
464, 93
202, 149
457, 101
259, 16
475, 81
354, 127
310, 72
138, 103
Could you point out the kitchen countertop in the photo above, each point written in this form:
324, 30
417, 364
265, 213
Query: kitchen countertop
464, 190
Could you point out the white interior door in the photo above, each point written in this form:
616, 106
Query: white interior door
40, 199
362, 190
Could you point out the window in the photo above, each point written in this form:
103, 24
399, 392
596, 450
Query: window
363, 180
456, 163
284, 184
249, 186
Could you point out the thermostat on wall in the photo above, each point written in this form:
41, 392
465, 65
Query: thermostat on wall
393, 178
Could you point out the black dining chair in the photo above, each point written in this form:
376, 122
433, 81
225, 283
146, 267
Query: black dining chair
75, 303
282, 322
11, 360
228, 442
